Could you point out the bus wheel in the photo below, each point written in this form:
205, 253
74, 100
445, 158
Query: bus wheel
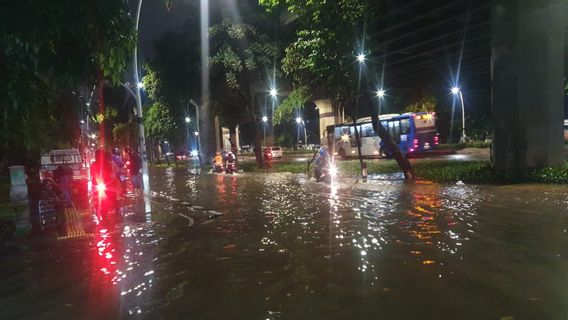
341, 154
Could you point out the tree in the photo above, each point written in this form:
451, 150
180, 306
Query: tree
294, 102
423, 103
323, 55
240, 54
58, 47
159, 124
327, 40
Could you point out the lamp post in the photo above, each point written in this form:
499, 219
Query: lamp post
361, 57
265, 120
187, 121
457, 91
273, 94
145, 176
380, 95
299, 122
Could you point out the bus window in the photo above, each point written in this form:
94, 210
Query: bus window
353, 136
367, 130
404, 126
394, 130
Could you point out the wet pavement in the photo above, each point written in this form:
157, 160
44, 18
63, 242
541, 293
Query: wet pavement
279, 246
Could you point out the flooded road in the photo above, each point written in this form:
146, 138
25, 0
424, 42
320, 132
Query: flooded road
279, 246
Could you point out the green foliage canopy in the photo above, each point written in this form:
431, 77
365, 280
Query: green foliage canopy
48, 49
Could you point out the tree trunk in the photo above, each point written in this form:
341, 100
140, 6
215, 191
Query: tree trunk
4, 160
402, 161
101, 97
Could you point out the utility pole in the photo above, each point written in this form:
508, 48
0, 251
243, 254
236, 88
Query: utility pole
145, 176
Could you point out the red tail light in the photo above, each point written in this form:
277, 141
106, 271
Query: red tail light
127, 163
101, 188
415, 143
436, 140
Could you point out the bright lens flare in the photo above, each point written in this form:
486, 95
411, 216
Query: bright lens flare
194, 153
333, 171
455, 90
380, 93
345, 138
101, 188
361, 57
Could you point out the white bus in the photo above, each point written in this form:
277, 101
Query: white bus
412, 133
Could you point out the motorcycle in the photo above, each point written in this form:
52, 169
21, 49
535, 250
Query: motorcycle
231, 167
324, 172
50, 206
104, 197
218, 168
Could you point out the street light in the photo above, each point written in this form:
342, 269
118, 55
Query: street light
273, 93
456, 91
300, 122
265, 120
196, 133
187, 119
139, 85
380, 95
361, 57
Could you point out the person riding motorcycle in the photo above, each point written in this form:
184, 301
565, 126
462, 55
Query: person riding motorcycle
322, 164
218, 162
105, 184
230, 163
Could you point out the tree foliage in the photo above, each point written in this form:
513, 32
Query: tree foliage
423, 103
329, 34
159, 122
294, 102
240, 58
48, 49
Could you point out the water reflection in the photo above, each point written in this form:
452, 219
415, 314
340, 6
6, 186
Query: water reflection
289, 248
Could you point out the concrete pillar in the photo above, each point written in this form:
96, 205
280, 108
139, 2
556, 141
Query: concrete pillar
327, 116
527, 74
225, 138
218, 134
235, 138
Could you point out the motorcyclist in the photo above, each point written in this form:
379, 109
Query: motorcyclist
230, 162
217, 160
103, 178
118, 167
322, 163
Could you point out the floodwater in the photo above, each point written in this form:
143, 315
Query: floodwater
279, 246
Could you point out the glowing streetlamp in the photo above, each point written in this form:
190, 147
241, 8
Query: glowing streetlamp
380, 95
300, 123
457, 91
139, 85
273, 93
361, 57
187, 119
265, 120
